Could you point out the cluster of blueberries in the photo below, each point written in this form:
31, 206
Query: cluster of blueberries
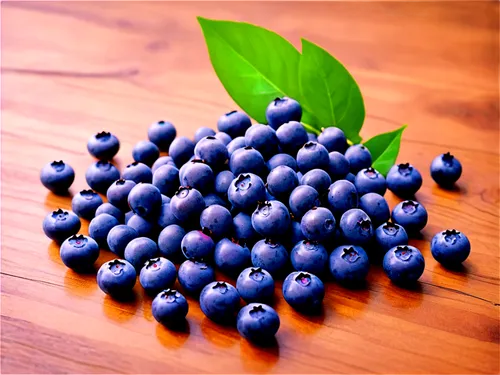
253, 201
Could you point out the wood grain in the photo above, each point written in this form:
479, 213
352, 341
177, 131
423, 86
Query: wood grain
70, 69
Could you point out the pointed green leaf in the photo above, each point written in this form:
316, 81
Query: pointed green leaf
385, 149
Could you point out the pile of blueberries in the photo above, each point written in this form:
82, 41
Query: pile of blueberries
257, 202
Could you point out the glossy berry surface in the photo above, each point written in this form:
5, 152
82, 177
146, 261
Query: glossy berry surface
140, 250
269, 255
359, 157
302, 199
166, 179
243, 229
145, 152
282, 159
108, 208
219, 301
212, 151
303, 291
187, 203
312, 156
143, 226
333, 139
100, 175
194, 276
389, 235
404, 264
318, 224
157, 274
119, 237
85, 204
170, 308
61, 224
281, 181
349, 264
223, 137
255, 284
271, 219
294, 235
116, 277
356, 227
338, 167
410, 215
231, 257
103, 145
181, 150
450, 247
262, 138
222, 182
218, 220
291, 137
203, 132
198, 175
161, 161
100, 226
376, 207
446, 170
162, 133
214, 199
245, 191
282, 110
369, 180
169, 241
309, 256
234, 123
342, 196
57, 177
318, 179
235, 144
257, 322
247, 160
79, 252
145, 200
404, 180
137, 172
198, 245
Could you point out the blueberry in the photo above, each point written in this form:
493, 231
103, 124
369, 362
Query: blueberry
170, 308
263, 138
103, 145
162, 133
350, 177
282, 110
318, 179
291, 136
157, 274
212, 151
161, 161
333, 139
100, 175
359, 157
144, 227
108, 208
128, 215
166, 217
376, 207
356, 227
165, 199
61, 224
404, 180
169, 242
198, 175
194, 276
318, 224
309, 256
79, 252
349, 264
231, 257
248, 160
389, 235
57, 177
342, 196
223, 137
281, 181
302, 199
100, 226
312, 156
145, 200
214, 199
446, 170
450, 248
235, 144
369, 180
219, 301
295, 235
85, 204
139, 250
303, 291
181, 150
116, 277
338, 167
166, 179
243, 229
187, 203
312, 137
202, 133
257, 322
269, 255
198, 245
137, 172
119, 237
245, 191
410, 215
282, 159
271, 219
234, 123
255, 284
218, 220
404, 264
222, 182
117, 193
145, 152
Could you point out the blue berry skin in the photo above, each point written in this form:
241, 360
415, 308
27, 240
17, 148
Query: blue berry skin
230, 257
338, 166
404, 264
170, 308
281, 181
271, 219
187, 204
108, 208
376, 208
291, 137
169, 241
309, 256
282, 159
255, 284
219, 301
446, 170
57, 177
247, 160
128, 215
214, 199
161, 161
145, 152
103, 145
157, 274
218, 220
243, 229
181, 150
359, 157
116, 277
389, 235
194, 276
144, 227
119, 237
369, 180
295, 235
342, 196
197, 245
166, 217
139, 250
282, 110
410, 215
263, 138
245, 191
312, 137
404, 180
312, 156
302, 199
349, 264
145, 200
165, 199
223, 137
234, 123
85, 204
166, 179
100, 175
257, 322
318, 224
333, 139
270, 256
117, 193
222, 182
198, 175
356, 227
303, 291
318, 179
100, 226
450, 248
138, 172
213, 151
61, 224
162, 133
79, 252
235, 144
350, 177
202, 133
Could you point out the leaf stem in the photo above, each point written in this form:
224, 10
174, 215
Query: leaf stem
311, 129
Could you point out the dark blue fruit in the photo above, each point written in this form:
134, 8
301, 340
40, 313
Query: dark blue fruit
271, 219
349, 264
404, 264
138, 172
139, 250
119, 237
85, 204
181, 150
162, 133
169, 241
318, 224
222, 182
281, 181
234, 123
262, 138
108, 208
302, 199
145, 200
257, 322
166, 179
282, 110
282, 159
291, 136
359, 157
243, 229
57, 177
79, 252
247, 160
187, 204
312, 156
212, 151
100, 226
235, 144
161, 161
303, 291
219, 301
103, 145
203, 132
389, 235
246, 191
194, 276
270, 256
116, 277
450, 248
170, 308
342, 196
61, 224
376, 207
309, 256
410, 215
145, 152
100, 175
338, 166
198, 245
404, 180
333, 139
214, 199
157, 274
166, 217
198, 175
144, 227
231, 257
446, 170
255, 284
369, 180
356, 227
318, 179
223, 137
218, 220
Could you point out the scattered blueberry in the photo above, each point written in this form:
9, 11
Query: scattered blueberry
108, 208
79, 252
100, 175
376, 207
166, 217
295, 235
446, 170
145, 152
318, 179
181, 150
356, 227
116, 277
281, 181
100, 226
231, 257
138, 172
410, 215
119, 237
61, 224
187, 203
57, 177
257, 322
85, 204
303, 291
162, 134
224, 138
235, 144
262, 138
389, 235
161, 161
103, 145
342, 196
212, 151
359, 157
166, 179
214, 199
271, 219
282, 110
145, 200
338, 166
246, 191
318, 224
243, 229
302, 199
143, 226
169, 241
349, 264
139, 250
219, 301
157, 274
309, 256
404, 264
247, 160
198, 245
234, 123
450, 248
282, 159
404, 180
194, 276
198, 175
255, 284
333, 139
170, 308
270, 256
222, 182
218, 220
369, 180
291, 136
312, 156
202, 133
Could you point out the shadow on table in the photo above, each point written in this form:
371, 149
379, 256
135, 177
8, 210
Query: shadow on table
173, 337
222, 336
122, 308
261, 357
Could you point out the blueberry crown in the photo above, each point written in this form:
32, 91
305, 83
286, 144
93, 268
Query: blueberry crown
365, 224
230, 113
202, 265
183, 188
403, 248
211, 137
59, 211
135, 163
77, 237
410, 204
448, 157
221, 286
196, 161
255, 270
161, 122
121, 181
451, 232
303, 278
271, 242
310, 144
151, 262
56, 163
257, 311
115, 262
103, 134
169, 293
88, 192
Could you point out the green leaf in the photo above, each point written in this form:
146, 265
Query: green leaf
330, 92
385, 149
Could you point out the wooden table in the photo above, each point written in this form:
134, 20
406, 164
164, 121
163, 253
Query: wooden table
72, 69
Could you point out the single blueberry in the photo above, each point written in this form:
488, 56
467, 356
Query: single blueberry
219, 301
198, 245
270, 256
318, 224
214, 199
103, 145
116, 277
262, 138
255, 284
181, 150
79, 252
162, 133
234, 123
145, 200
318, 179
144, 226
302, 199
303, 291
108, 208
369, 180
100, 226
282, 110
312, 156
450, 247
247, 160
166, 179
243, 229
119, 237
349, 264
170, 308
137, 172
291, 136
218, 220
161, 161
338, 167
231, 257
309, 256
333, 139
100, 175
57, 177
145, 152
257, 322
198, 175
404, 264
342, 196
222, 182
356, 227
410, 215
389, 235
376, 207
166, 217
85, 204
235, 144
187, 204
223, 137
281, 181
194, 276
404, 180
212, 151
169, 242
359, 157
246, 191
61, 224
271, 219
157, 274
282, 159
139, 250
446, 170
203, 132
